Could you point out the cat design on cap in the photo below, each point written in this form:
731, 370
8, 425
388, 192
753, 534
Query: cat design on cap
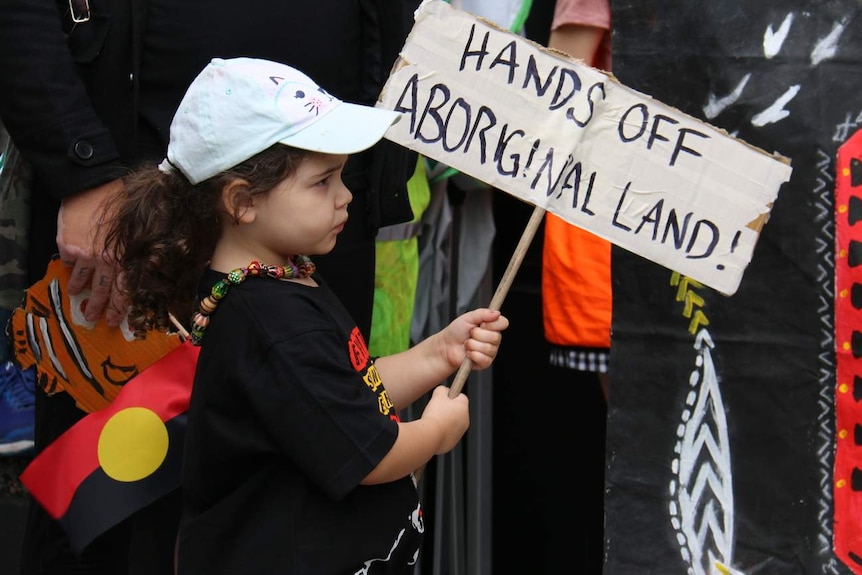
236, 108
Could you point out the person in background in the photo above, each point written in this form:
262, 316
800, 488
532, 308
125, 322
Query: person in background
88, 91
295, 459
397, 272
576, 265
576, 306
17, 386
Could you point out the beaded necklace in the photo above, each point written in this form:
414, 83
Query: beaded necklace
298, 267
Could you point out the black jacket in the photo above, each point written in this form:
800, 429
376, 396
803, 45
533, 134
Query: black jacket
69, 95
68, 135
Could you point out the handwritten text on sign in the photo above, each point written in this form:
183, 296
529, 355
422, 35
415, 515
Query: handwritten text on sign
574, 141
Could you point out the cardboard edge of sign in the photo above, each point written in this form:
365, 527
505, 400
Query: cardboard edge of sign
400, 62
755, 225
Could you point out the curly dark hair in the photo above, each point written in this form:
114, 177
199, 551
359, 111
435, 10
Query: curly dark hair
162, 231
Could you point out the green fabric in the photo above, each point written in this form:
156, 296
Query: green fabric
395, 277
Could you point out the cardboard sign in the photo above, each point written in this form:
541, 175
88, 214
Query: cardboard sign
571, 139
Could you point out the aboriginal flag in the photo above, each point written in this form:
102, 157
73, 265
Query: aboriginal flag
119, 459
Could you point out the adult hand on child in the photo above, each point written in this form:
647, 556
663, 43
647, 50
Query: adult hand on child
80, 242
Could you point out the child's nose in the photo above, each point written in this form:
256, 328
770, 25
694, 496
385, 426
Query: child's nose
345, 196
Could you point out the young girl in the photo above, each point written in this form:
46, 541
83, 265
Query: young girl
295, 459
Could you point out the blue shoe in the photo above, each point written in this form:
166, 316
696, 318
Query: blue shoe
17, 409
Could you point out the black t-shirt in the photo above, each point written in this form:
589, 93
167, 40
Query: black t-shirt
287, 415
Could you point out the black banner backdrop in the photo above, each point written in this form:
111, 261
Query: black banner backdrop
721, 429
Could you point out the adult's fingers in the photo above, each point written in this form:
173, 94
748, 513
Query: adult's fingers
116, 308
82, 273
100, 292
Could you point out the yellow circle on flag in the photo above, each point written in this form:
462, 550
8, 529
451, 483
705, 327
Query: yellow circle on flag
133, 444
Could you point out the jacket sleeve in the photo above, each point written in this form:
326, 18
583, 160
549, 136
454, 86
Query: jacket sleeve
44, 103
385, 28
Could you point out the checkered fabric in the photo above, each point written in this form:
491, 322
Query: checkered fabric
580, 358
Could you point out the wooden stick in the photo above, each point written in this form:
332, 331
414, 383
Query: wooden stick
496, 302
502, 290
184, 334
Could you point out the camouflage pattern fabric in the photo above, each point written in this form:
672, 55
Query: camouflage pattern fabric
15, 180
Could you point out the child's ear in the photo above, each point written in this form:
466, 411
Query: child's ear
238, 202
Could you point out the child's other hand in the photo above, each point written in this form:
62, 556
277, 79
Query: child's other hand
450, 416
475, 335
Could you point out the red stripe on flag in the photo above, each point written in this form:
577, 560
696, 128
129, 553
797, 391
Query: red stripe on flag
846, 491
164, 387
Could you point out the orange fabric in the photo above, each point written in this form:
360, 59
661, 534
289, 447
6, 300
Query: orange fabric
576, 286
576, 265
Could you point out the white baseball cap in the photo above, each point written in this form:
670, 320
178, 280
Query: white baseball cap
239, 107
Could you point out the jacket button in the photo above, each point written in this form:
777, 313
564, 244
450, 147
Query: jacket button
84, 150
